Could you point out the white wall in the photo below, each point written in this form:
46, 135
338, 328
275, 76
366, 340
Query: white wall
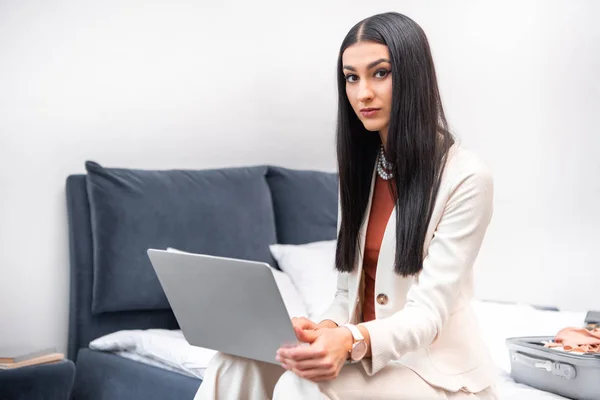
188, 85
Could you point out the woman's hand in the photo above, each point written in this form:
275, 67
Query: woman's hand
323, 359
303, 323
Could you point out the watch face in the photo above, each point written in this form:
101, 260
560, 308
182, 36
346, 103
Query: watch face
359, 350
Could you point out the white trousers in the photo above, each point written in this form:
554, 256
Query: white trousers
235, 378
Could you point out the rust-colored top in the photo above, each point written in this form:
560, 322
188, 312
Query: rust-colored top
382, 205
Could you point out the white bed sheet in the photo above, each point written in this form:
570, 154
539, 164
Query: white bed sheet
168, 349
150, 361
500, 321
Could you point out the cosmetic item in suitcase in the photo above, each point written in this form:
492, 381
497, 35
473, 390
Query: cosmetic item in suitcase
572, 375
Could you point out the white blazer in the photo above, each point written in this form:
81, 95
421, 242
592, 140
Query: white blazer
426, 322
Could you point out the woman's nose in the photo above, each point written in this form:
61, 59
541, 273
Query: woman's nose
364, 93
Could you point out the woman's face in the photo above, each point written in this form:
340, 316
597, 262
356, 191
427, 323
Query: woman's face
367, 68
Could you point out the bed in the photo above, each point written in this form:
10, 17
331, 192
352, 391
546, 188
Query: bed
270, 213
114, 214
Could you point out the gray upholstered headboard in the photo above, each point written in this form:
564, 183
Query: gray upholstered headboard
298, 207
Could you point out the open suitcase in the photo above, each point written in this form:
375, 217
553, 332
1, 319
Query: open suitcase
575, 376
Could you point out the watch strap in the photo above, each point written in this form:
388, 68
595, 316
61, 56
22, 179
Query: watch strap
355, 332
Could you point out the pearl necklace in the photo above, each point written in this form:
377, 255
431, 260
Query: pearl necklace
384, 167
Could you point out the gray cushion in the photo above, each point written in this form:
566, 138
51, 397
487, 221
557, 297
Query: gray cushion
84, 326
226, 212
305, 204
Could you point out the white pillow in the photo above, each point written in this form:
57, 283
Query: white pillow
291, 298
162, 347
311, 267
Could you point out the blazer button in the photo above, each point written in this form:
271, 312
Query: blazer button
382, 299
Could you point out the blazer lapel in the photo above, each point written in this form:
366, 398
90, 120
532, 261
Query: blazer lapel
386, 280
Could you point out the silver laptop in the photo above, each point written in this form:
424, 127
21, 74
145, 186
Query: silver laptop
224, 304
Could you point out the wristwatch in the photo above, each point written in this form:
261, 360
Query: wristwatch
359, 347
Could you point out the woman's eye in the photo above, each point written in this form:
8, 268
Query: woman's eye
382, 73
351, 78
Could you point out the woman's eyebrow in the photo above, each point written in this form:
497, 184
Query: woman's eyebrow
371, 65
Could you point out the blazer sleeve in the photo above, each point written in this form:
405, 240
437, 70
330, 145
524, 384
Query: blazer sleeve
449, 257
338, 311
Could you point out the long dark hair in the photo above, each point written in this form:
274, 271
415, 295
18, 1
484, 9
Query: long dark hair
418, 141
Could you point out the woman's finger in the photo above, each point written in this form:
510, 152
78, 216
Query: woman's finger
305, 336
314, 363
301, 353
303, 323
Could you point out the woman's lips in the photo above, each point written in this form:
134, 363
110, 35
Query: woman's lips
369, 112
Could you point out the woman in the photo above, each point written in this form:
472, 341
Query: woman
414, 208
